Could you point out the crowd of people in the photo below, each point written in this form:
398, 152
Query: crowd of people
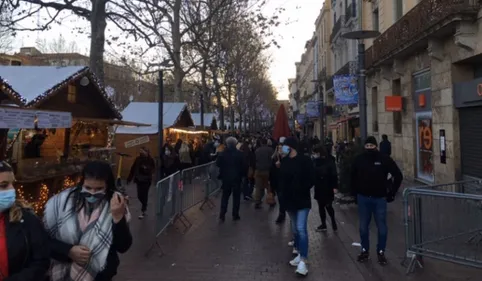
85, 227
288, 169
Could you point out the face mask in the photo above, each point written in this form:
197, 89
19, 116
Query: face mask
216, 144
315, 156
92, 197
7, 198
285, 150
167, 153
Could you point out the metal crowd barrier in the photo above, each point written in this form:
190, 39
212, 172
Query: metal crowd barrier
442, 225
181, 191
467, 187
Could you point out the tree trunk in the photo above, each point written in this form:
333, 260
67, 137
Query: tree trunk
204, 86
218, 98
176, 50
98, 24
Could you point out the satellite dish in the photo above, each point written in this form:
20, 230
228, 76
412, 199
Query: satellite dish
84, 81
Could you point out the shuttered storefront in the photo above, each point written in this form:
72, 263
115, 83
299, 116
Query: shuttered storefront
471, 141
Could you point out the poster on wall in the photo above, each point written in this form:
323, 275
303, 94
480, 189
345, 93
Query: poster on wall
312, 109
425, 146
346, 89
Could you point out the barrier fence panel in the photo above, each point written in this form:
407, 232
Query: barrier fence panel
467, 186
166, 205
194, 181
443, 225
213, 186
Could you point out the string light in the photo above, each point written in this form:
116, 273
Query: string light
38, 205
188, 132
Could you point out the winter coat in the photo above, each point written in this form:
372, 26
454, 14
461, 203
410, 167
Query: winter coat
326, 178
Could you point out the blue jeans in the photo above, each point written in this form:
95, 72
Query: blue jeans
299, 226
368, 206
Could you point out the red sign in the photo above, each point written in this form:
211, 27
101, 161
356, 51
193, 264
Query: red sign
393, 103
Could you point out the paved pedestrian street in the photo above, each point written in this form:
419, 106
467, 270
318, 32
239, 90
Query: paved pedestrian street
256, 249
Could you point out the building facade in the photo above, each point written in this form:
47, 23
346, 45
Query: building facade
424, 86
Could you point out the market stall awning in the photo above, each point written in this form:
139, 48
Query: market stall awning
175, 114
111, 122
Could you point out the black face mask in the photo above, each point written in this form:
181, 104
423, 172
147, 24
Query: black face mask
370, 150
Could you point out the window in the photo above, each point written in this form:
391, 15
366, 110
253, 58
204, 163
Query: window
72, 94
398, 9
375, 109
376, 20
397, 116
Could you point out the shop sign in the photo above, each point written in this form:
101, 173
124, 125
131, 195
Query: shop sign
425, 146
393, 104
136, 142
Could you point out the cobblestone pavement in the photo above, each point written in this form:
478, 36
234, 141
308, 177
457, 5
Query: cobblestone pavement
256, 249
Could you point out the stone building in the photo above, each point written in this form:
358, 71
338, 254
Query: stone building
424, 86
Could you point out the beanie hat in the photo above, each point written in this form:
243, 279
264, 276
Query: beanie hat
291, 142
371, 140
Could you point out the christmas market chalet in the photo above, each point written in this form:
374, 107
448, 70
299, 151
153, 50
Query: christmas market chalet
177, 124
73, 124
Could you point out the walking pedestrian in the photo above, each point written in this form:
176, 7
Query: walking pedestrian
247, 188
385, 146
141, 173
230, 163
24, 244
326, 180
88, 226
274, 175
373, 190
296, 180
263, 156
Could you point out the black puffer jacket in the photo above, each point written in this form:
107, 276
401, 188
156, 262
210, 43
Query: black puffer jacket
326, 178
295, 182
27, 247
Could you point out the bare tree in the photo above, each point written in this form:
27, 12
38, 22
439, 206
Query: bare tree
58, 45
6, 38
97, 13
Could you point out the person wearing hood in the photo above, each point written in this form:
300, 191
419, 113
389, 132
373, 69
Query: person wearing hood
24, 244
231, 172
274, 180
326, 180
373, 190
296, 180
141, 173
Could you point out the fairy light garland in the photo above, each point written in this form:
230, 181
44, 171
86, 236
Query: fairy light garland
39, 204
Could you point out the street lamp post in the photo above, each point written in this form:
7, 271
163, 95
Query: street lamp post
160, 102
360, 35
201, 109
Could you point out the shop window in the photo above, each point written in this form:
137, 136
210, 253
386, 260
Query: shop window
72, 94
375, 109
397, 116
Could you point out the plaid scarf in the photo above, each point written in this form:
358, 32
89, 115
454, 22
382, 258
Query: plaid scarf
95, 232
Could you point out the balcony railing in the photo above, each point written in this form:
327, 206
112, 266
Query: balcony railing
322, 74
349, 68
424, 19
337, 27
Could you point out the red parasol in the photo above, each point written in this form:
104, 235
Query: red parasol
281, 127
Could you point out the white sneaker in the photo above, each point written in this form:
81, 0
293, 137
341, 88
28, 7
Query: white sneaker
296, 261
291, 243
302, 268
295, 252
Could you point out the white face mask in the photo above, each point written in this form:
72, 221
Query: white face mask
168, 152
216, 144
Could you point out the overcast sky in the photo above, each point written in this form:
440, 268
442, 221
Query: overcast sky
297, 27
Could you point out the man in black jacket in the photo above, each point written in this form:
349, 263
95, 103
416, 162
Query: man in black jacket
385, 146
373, 190
231, 164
